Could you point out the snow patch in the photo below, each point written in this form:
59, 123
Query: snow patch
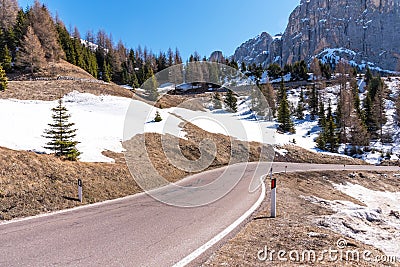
373, 223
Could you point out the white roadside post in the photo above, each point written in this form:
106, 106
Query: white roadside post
273, 196
80, 190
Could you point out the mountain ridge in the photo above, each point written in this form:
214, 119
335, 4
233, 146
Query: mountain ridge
363, 32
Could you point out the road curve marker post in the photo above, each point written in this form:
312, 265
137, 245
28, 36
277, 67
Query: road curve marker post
273, 196
80, 190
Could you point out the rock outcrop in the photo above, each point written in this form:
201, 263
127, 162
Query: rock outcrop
362, 31
217, 56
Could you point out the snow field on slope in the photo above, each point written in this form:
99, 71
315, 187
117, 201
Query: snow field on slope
373, 224
100, 123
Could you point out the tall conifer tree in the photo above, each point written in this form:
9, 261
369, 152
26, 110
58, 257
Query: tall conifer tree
3, 79
231, 101
284, 119
61, 134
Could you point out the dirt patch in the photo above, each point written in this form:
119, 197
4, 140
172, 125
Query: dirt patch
295, 227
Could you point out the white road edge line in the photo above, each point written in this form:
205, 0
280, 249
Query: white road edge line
192, 256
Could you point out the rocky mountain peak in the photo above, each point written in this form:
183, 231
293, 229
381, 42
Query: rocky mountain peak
365, 32
217, 56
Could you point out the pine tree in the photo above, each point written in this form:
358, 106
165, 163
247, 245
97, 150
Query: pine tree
326, 70
6, 59
66, 42
379, 106
300, 111
31, 54
135, 82
321, 115
368, 76
374, 107
243, 67
151, 87
231, 101
300, 106
313, 102
332, 142
356, 98
157, 118
274, 71
217, 101
321, 139
19, 29
106, 71
61, 134
398, 109
299, 71
3, 79
369, 119
285, 122
170, 57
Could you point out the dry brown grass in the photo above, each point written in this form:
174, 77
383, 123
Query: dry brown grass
301, 155
225, 148
191, 102
45, 85
31, 184
54, 70
296, 219
54, 89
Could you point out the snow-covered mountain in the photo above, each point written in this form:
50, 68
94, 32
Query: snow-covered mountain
365, 32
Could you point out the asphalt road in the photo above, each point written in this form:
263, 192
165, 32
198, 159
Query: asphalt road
137, 230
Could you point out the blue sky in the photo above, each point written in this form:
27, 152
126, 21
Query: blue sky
197, 25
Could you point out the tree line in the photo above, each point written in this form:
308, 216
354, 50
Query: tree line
32, 38
354, 122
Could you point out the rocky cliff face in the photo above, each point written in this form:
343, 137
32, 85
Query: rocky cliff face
362, 31
217, 56
255, 50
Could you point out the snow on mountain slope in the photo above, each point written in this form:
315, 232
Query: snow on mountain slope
99, 120
100, 123
374, 224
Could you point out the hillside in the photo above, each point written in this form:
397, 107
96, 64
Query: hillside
59, 79
363, 32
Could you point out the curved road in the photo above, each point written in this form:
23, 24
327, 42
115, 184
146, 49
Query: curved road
136, 230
